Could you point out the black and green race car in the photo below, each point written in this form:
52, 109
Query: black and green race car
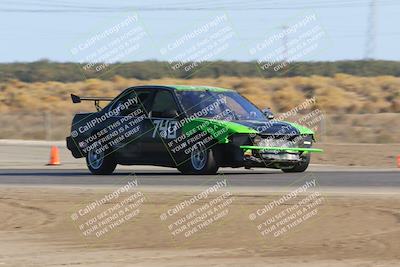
196, 129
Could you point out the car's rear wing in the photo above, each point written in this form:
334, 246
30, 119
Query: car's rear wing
78, 99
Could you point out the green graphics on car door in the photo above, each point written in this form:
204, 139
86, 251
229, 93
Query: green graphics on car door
220, 130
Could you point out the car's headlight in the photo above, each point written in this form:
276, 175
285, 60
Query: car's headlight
257, 139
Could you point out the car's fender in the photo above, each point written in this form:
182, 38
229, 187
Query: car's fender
220, 130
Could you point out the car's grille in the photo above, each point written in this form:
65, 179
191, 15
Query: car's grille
282, 141
273, 142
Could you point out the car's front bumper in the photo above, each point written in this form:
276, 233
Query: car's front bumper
284, 149
274, 157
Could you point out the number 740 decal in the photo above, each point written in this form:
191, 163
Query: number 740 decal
166, 128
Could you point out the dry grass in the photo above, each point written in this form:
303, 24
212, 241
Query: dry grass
340, 94
352, 103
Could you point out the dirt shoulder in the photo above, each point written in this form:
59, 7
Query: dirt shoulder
368, 155
38, 229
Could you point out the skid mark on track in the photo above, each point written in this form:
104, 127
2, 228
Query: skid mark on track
17, 215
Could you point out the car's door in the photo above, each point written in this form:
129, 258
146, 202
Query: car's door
164, 115
131, 122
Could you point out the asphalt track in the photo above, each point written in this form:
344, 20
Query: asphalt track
371, 180
18, 167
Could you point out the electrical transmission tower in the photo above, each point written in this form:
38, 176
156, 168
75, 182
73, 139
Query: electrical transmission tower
371, 31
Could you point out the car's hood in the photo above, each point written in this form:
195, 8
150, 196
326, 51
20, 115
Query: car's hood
221, 129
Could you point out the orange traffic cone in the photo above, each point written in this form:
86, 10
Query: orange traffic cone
54, 157
398, 161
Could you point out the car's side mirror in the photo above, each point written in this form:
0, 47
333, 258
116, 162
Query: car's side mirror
268, 113
172, 113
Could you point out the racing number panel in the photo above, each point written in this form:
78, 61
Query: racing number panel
164, 114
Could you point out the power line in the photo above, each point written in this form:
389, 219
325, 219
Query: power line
62, 8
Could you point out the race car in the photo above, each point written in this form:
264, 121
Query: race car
196, 129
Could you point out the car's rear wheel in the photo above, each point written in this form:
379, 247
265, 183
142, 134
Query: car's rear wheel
202, 161
100, 163
301, 166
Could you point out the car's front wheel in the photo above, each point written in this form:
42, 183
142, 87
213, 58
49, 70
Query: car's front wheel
100, 163
301, 166
202, 161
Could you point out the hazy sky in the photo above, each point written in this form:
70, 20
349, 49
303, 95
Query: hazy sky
35, 29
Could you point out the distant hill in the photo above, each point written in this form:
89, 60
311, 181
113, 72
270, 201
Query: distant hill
41, 71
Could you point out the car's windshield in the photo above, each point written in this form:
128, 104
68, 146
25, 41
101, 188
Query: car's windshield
209, 104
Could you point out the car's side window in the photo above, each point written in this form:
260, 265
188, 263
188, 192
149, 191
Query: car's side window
144, 98
135, 102
164, 105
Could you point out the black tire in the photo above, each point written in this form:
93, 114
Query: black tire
210, 165
103, 166
301, 166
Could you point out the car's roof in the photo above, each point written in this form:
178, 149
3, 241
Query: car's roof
198, 88
186, 88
